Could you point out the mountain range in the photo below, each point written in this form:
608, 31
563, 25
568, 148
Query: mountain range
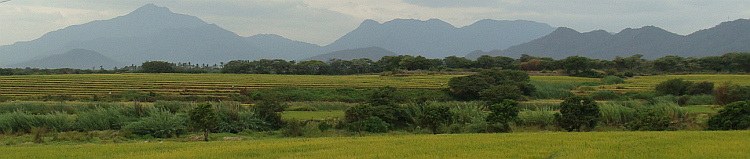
650, 41
152, 33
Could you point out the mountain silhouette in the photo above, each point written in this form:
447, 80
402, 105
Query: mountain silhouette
372, 53
650, 41
76, 58
437, 39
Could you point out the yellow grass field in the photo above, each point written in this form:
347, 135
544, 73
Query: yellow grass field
680, 144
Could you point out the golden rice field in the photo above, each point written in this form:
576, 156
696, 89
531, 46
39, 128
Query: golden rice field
227, 84
679, 144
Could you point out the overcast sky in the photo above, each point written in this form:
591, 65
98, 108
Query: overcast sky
323, 21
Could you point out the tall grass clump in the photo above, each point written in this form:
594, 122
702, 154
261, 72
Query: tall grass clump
319, 106
543, 105
605, 95
160, 123
18, 121
547, 90
701, 100
616, 113
172, 106
661, 115
541, 118
613, 80
37, 107
102, 119
468, 117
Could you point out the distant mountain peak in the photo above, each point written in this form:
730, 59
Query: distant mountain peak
151, 9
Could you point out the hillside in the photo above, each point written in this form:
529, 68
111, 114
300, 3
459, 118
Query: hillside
437, 39
372, 53
77, 59
650, 41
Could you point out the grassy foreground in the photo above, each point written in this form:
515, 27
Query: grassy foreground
680, 144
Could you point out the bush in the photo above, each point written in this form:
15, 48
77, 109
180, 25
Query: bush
160, 124
578, 114
369, 124
613, 80
502, 114
701, 88
203, 118
605, 95
675, 87
171, 106
728, 93
734, 116
496, 94
434, 116
269, 111
651, 119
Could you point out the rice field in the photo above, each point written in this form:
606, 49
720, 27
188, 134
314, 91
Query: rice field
679, 144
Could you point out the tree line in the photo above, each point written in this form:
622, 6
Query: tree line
573, 65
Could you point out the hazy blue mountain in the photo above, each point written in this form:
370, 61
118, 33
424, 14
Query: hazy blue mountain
76, 58
144, 21
283, 48
437, 39
650, 41
372, 53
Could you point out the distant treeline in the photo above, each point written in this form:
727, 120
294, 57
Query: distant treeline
573, 65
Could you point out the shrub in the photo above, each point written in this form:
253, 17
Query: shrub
269, 111
605, 95
675, 87
578, 114
651, 119
394, 115
701, 88
293, 128
502, 114
496, 94
369, 124
728, 93
734, 116
613, 80
434, 116
160, 124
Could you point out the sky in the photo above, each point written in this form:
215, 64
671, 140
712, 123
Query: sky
323, 21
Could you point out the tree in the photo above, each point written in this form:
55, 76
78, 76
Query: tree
576, 113
468, 87
502, 114
203, 118
269, 110
435, 115
499, 93
457, 62
734, 116
575, 64
157, 67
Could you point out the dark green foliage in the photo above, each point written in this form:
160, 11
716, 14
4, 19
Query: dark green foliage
578, 114
605, 95
468, 87
434, 116
294, 128
613, 80
160, 124
157, 67
203, 118
651, 119
497, 94
728, 93
575, 64
269, 111
381, 105
680, 87
171, 106
676, 87
704, 87
547, 90
369, 124
734, 116
102, 119
502, 114
382, 96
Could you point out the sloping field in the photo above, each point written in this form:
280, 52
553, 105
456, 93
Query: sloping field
198, 84
681, 144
